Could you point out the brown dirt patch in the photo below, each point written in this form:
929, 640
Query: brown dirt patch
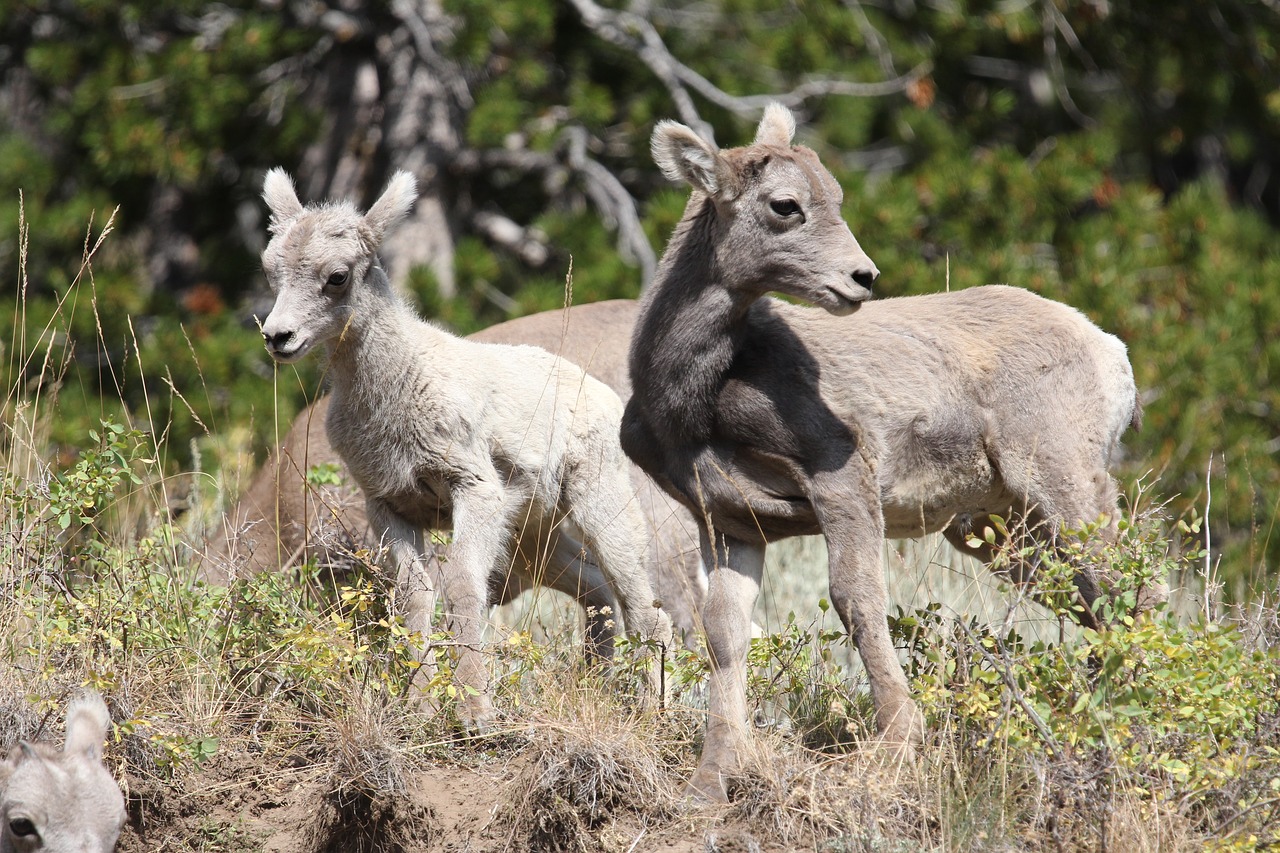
244, 803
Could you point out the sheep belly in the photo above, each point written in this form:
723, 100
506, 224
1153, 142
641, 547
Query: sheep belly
937, 468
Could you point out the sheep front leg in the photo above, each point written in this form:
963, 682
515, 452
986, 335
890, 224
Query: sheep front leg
483, 517
737, 567
415, 595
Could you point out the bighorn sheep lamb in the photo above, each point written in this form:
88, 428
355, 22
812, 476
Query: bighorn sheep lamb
62, 801
495, 442
911, 415
282, 517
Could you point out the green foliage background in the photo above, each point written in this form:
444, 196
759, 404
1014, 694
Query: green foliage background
1121, 157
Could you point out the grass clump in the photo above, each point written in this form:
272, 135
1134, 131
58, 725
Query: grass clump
587, 765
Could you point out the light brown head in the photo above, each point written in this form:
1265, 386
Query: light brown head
778, 209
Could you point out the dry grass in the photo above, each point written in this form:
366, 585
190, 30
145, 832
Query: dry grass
862, 800
589, 766
588, 762
585, 764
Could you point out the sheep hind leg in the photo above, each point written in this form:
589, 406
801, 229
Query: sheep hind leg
569, 569
1063, 489
969, 537
1002, 558
604, 509
1091, 498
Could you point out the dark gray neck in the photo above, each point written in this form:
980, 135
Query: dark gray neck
689, 329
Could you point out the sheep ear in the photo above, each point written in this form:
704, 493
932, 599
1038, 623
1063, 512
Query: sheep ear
777, 127
392, 205
87, 722
22, 751
281, 197
684, 156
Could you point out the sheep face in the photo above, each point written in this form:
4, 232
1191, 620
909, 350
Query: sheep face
313, 288
55, 801
777, 214
318, 260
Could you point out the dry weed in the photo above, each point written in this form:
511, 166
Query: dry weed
864, 800
372, 745
590, 759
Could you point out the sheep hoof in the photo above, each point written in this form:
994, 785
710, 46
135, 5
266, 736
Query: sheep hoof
478, 718
706, 786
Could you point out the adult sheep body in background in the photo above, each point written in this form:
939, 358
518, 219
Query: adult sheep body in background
282, 518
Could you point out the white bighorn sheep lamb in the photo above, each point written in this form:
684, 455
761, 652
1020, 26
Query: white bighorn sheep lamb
62, 801
510, 447
869, 419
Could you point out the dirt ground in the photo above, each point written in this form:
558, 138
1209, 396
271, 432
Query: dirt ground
238, 803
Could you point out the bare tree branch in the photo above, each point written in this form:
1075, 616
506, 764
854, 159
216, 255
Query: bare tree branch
279, 77
1073, 40
421, 17
613, 199
1051, 21
616, 205
636, 34
875, 40
523, 242
752, 104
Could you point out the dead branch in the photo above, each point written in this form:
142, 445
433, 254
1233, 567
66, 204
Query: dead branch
1052, 22
422, 18
525, 243
615, 204
636, 34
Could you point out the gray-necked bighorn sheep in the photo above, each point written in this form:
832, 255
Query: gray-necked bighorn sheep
62, 801
282, 518
497, 443
911, 415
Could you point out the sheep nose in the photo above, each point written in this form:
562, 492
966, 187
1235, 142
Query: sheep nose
865, 276
276, 341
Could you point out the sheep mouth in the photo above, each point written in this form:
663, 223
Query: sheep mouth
289, 354
845, 299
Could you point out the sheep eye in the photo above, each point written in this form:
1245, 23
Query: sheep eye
22, 827
337, 279
785, 207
